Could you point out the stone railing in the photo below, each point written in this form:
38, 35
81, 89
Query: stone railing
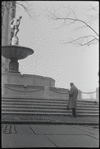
90, 93
53, 92
15, 90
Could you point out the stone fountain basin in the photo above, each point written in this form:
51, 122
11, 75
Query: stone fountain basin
16, 52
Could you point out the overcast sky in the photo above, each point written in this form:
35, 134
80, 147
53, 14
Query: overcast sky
64, 63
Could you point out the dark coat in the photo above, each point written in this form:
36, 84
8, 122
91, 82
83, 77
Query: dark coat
73, 94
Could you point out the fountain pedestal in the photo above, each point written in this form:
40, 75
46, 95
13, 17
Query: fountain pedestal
14, 66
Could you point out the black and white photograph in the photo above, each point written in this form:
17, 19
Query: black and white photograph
49, 74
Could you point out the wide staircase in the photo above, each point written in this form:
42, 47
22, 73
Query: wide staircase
34, 106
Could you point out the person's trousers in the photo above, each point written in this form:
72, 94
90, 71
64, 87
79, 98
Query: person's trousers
74, 112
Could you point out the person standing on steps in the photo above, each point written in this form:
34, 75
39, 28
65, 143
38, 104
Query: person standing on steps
73, 94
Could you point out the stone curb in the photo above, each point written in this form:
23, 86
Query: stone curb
45, 122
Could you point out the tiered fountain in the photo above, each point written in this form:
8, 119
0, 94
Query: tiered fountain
15, 52
14, 83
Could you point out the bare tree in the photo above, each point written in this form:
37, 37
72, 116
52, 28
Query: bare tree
7, 5
27, 7
72, 19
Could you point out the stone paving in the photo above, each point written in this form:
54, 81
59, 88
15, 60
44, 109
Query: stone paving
44, 118
49, 136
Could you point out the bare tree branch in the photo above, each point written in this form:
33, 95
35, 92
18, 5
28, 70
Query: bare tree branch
7, 5
72, 18
77, 20
80, 27
25, 8
82, 39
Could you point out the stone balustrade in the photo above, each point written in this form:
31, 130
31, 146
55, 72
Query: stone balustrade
34, 86
30, 91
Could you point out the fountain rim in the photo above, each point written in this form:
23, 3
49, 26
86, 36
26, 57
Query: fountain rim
7, 48
22, 47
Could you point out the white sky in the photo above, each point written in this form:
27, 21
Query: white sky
64, 63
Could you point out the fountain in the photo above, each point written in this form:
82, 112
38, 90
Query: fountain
14, 83
15, 52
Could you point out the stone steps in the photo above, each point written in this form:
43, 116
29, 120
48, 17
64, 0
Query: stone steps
46, 110
46, 100
41, 113
47, 104
47, 107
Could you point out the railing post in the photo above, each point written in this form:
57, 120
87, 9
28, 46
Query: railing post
46, 92
97, 94
79, 94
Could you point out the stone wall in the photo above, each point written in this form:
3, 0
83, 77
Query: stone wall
26, 79
22, 91
29, 91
